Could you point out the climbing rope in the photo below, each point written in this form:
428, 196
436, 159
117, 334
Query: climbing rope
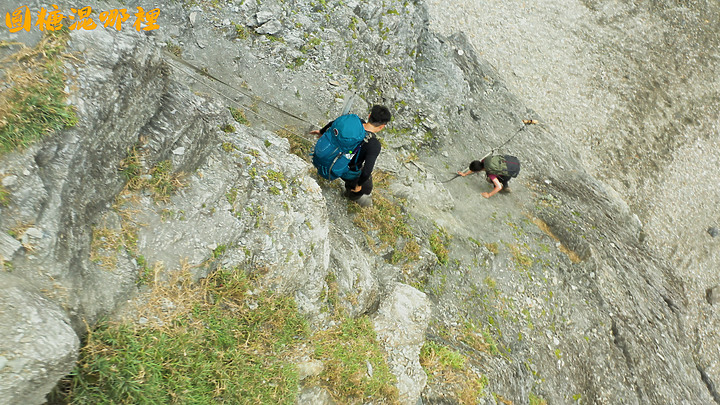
526, 123
201, 75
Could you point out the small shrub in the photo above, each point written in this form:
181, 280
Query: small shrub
164, 182
228, 147
227, 128
239, 116
436, 358
439, 241
4, 196
174, 49
536, 400
299, 146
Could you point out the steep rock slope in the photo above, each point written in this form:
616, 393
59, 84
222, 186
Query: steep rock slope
547, 292
635, 86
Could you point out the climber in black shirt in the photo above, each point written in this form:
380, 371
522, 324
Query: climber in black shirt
365, 158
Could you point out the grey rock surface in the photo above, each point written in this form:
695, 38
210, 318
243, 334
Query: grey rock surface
315, 395
400, 323
585, 284
38, 344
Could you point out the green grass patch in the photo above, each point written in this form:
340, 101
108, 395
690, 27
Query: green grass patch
241, 31
299, 146
34, 103
522, 260
239, 116
228, 147
161, 179
219, 251
4, 196
449, 369
227, 128
435, 357
296, 63
478, 338
536, 400
385, 224
276, 176
164, 182
346, 350
131, 168
231, 196
439, 243
218, 350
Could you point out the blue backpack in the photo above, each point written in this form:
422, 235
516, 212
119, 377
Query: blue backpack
338, 146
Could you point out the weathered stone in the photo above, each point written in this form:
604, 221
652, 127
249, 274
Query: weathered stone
315, 396
272, 27
713, 295
9, 181
309, 368
264, 16
400, 323
8, 246
38, 344
34, 233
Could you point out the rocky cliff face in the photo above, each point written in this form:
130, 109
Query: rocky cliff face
554, 291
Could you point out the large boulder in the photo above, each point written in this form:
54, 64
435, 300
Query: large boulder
400, 323
38, 346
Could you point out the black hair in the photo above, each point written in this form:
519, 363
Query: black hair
379, 115
477, 165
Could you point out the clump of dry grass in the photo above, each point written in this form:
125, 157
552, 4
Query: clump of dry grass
32, 104
449, 368
161, 179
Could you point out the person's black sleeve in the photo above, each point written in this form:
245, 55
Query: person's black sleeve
372, 151
325, 128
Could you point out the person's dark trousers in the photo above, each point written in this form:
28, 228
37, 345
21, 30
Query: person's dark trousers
367, 188
504, 181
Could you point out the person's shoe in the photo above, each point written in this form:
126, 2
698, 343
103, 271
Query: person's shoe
506, 190
364, 200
